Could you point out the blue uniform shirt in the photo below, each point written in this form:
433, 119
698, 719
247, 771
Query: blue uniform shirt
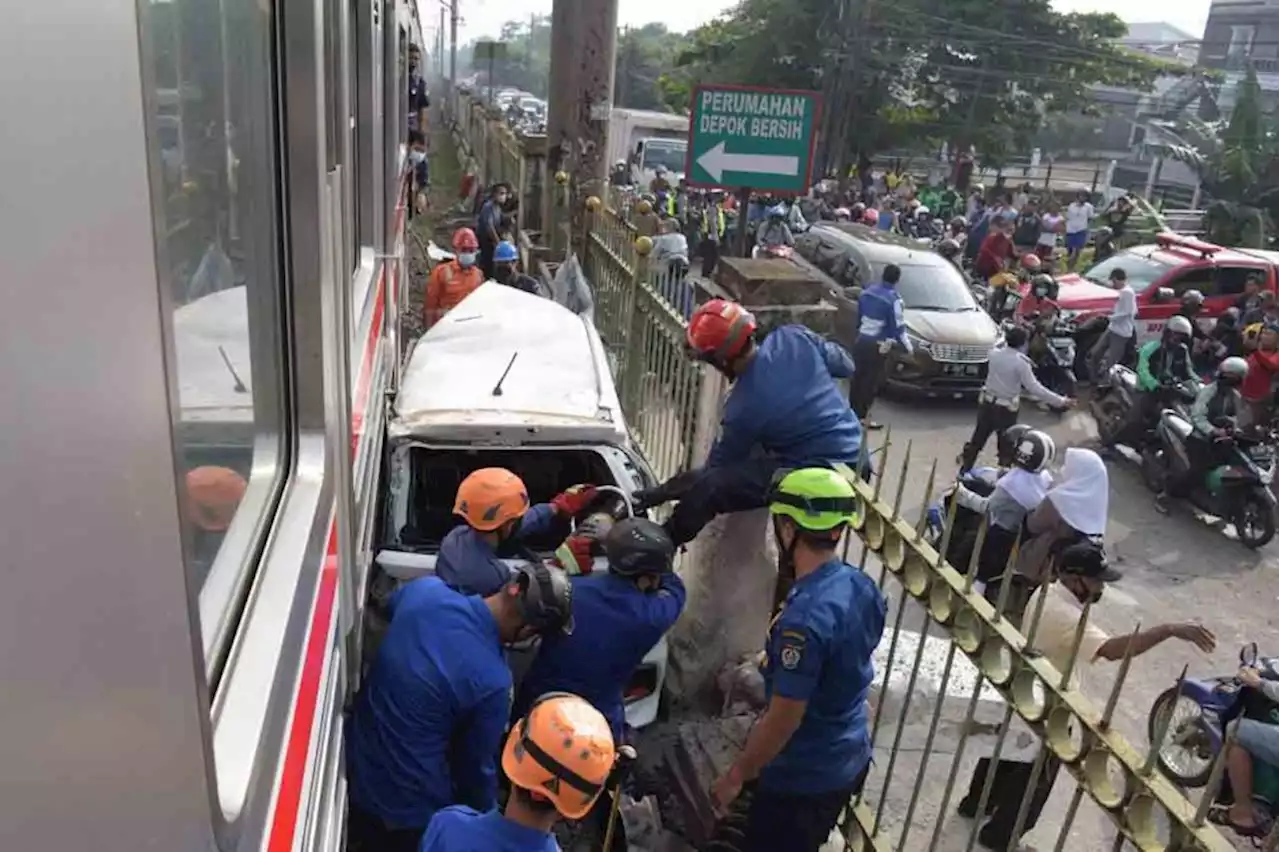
428, 723
614, 625
880, 315
786, 403
468, 564
461, 829
820, 650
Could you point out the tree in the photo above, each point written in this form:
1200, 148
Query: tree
1236, 162
643, 55
527, 62
980, 73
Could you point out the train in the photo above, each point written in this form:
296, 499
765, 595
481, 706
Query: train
204, 244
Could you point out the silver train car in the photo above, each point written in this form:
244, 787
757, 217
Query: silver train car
202, 236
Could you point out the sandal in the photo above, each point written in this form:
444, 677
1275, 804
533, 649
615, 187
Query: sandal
1255, 829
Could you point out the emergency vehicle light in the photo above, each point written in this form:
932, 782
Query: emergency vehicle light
1168, 239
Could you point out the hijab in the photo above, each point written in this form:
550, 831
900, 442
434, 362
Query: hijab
1026, 487
1081, 496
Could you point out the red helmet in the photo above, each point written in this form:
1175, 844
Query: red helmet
1030, 262
719, 330
464, 239
871, 216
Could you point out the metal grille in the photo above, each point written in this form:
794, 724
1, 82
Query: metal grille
962, 352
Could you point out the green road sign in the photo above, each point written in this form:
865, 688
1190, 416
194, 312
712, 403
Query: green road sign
748, 136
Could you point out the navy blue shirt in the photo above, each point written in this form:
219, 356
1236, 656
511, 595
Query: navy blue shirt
418, 99
464, 830
786, 403
427, 725
469, 565
820, 651
614, 625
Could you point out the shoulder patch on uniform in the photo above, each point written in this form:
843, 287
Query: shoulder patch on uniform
789, 656
795, 635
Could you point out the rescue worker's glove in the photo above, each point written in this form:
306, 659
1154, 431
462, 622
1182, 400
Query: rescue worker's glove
573, 501
577, 549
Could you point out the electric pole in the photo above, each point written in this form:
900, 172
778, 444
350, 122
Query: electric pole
453, 43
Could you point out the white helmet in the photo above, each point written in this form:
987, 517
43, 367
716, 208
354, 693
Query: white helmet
1178, 324
1233, 369
922, 210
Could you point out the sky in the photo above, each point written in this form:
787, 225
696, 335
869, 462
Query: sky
485, 17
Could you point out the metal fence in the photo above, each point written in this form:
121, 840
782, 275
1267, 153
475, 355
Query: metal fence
1145, 809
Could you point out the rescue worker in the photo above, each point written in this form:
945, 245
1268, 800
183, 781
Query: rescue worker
783, 410
494, 505
428, 722
1214, 416
618, 617
506, 271
1162, 364
454, 280
213, 494
1010, 374
559, 759
880, 326
810, 750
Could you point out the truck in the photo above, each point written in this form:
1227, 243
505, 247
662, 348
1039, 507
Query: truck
644, 140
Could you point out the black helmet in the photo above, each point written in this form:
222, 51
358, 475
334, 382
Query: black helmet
1007, 444
948, 248
546, 597
1046, 281
959, 223
1034, 451
638, 546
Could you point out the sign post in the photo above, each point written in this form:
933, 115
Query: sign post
752, 136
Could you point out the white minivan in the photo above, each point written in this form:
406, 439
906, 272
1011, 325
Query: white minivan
506, 379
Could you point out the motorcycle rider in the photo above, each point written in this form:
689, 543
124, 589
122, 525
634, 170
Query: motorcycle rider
1010, 374
774, 231
1254, 740
784, 402
1040, 300
950, 249
1162, 365
494, 504
660, 185
618, 175
559, 759
428, 721
1213, 419
1190, 306
810, 750
618, 617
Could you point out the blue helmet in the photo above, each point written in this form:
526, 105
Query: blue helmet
504, 252
778, 211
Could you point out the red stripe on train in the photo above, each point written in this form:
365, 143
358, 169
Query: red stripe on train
284, 822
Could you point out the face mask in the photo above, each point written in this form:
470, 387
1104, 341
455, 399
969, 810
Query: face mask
467, 258
417, 157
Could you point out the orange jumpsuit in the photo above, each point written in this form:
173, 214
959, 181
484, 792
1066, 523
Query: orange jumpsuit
449, 284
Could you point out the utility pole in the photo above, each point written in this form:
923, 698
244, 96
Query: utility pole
453, 44
596, 54
562, 110
440, 44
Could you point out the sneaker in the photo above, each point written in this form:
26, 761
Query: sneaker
1162, 504
872, 426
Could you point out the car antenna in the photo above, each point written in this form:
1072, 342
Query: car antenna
497, 389
239, 386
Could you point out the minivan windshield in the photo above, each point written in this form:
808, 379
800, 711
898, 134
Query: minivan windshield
931, 287
1141, 272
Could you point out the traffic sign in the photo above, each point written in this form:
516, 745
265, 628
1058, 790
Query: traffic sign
752, 136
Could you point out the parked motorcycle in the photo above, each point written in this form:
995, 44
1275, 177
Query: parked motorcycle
1194, 721
1235, 490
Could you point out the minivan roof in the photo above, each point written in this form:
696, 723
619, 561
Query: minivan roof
507, 367
882, 247
211, 343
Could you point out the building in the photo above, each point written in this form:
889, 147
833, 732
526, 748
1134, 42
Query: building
1239, 34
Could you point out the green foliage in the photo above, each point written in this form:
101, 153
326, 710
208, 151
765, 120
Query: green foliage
918, 73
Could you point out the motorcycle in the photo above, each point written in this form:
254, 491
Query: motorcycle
1113, 401
979, 480
1235, 490
780, 252
1055, 365
1194, 719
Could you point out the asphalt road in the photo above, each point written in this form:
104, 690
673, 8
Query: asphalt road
1176, 568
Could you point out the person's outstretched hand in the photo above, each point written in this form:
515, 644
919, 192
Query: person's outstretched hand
572, 501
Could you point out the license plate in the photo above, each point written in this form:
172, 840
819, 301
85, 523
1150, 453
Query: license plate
962, 369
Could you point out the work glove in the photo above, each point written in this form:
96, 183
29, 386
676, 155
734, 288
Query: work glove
573, 501
578, 549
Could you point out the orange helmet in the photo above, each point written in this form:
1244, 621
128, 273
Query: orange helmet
719, 330
490, 497
1030, 262
213, 494
562, 750
464, 239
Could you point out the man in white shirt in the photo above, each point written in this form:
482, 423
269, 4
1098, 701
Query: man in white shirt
1010, 373
1112, 346
1083, 574
1079, 212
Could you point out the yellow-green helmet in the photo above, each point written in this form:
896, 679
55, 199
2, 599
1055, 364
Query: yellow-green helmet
816, 498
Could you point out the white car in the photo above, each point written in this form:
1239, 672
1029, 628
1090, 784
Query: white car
506, 379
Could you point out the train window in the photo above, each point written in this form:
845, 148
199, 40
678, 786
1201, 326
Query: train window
212, 135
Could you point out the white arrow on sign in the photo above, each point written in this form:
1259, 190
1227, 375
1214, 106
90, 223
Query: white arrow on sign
717, 161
